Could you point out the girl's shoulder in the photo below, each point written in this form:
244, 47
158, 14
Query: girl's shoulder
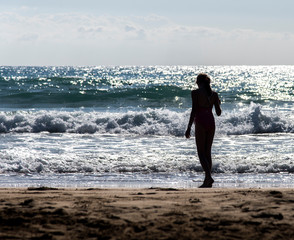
194, 93
215, 94
214, 97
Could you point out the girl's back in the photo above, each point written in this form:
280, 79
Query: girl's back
201, 98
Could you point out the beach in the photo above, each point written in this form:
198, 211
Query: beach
115, 114
146, 213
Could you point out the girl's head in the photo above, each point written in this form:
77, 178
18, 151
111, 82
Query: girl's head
204, 80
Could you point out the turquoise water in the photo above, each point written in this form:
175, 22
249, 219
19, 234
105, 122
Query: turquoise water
124, 126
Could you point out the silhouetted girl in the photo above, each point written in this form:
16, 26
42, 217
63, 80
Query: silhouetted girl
203, 100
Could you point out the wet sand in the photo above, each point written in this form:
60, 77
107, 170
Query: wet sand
156, 213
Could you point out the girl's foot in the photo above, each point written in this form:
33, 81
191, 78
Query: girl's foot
207, 183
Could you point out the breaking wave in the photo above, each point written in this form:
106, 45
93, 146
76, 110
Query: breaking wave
249, 120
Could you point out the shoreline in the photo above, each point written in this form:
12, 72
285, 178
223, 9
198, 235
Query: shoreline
138, 180
146, 213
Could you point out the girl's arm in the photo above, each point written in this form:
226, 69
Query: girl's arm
192, 115
217, 103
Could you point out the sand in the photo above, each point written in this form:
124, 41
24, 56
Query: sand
156, 213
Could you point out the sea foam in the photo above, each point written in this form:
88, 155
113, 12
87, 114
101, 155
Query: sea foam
251, 119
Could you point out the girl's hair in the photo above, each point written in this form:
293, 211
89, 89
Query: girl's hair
204, 79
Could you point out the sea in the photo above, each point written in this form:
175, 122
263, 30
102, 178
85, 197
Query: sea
123, 126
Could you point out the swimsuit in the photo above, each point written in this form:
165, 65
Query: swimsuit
204, 117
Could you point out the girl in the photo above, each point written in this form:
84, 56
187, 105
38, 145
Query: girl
203, 100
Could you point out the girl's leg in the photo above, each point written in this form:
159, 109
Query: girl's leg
208, 145
201, 142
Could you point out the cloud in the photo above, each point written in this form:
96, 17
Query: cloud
28, 37
129, 28
79, 39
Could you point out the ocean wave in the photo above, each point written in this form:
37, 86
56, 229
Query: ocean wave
70, 162
150, 122
22, 167
253, 119
61, 96
249, 120
157, 86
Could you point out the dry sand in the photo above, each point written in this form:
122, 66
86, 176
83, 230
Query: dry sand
156, 213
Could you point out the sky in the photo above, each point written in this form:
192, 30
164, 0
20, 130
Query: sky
146, 32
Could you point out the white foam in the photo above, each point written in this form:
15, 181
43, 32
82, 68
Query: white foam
253, 119
43, 153
250, 119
